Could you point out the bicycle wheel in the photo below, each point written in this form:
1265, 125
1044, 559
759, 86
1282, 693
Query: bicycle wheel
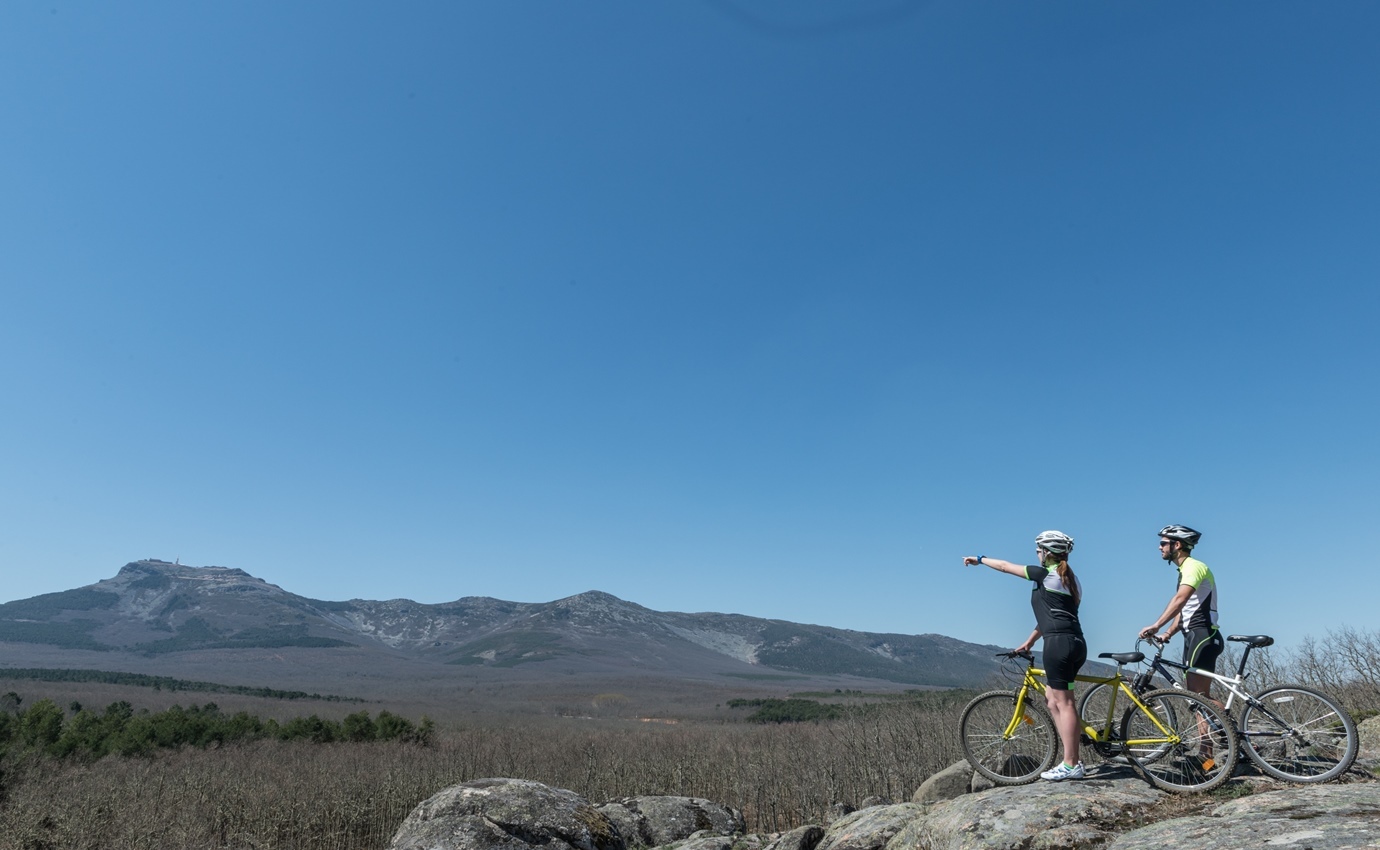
1299, 735
1013, 760
1188, 746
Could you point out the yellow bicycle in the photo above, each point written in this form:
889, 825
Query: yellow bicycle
1176, 739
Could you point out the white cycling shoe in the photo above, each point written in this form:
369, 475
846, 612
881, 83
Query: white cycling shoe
1061, 771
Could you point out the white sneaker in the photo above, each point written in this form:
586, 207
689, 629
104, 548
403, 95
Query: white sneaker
1062, 771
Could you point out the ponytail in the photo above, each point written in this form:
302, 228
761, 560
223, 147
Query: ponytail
1069, 579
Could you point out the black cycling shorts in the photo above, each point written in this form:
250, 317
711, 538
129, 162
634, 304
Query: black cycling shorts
1063, 655
1201, 648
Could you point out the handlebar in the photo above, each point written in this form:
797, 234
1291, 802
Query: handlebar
1155, 642
1025, 654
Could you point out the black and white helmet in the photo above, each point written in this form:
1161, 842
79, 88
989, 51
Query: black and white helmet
1182, 533
1054, 542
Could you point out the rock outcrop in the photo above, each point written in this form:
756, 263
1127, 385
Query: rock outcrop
870, 828
1324, 817
801, 838
1370, 736
1111, 810
511, 814
656, 821
949, 783
1028, 817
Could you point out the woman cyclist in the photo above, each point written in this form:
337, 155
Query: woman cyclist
1055, 598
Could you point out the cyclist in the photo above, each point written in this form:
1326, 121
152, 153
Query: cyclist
1055, 598
1193, 609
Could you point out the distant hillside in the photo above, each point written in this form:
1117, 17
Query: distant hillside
153, 608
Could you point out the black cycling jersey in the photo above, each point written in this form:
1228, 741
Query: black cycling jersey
1056, 609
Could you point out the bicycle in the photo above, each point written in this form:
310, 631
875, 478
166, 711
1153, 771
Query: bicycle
1175, 738
1290, 732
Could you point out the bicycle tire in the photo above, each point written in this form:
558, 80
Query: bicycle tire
1179, 763
1007, 761
1321, 741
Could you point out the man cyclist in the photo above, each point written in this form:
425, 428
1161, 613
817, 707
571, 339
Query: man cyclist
1193, 610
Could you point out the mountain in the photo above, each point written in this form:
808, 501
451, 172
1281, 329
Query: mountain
156, 610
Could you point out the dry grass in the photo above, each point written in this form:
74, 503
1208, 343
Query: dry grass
344, 796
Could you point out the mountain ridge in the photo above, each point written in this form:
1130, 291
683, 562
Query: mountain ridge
156, 608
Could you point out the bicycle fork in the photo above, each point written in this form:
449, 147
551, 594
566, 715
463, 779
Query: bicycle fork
1020, 715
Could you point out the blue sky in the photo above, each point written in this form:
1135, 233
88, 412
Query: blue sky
775, 308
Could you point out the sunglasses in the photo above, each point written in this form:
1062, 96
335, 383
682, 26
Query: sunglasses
1164, 543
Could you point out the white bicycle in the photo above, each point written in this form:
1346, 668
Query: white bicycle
1291, 732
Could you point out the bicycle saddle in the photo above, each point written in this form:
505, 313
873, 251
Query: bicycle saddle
1253, 640
1124, 657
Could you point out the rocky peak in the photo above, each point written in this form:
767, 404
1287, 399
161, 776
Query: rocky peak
594, 600
595, 606
152, 578
135, 570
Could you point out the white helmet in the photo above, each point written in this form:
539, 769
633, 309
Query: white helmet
1182, 533
1055, 542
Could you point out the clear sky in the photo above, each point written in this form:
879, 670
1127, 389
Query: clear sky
774, 308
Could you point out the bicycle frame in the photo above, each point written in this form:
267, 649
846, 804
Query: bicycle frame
1232, 684
1033, 680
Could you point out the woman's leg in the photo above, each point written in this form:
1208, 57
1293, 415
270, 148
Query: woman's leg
1065, 715
1064, 655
